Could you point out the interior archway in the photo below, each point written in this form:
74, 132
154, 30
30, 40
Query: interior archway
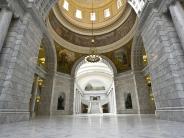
94, 88
140, 65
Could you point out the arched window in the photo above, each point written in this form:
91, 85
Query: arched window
61, 102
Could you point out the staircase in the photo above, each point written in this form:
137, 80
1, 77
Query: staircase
95, 107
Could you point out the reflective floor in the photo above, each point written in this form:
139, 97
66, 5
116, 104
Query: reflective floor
120, 126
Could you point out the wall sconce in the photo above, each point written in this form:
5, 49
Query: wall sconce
37, 99
145, 58
42, 60
40, 82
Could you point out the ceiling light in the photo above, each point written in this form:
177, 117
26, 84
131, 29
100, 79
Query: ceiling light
93, 57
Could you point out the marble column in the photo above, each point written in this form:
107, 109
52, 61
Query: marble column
5, 19
111, 101
76, 104
114, 100
177, 14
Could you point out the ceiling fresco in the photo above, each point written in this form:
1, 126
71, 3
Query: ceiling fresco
65, 59
85, 40
120, 57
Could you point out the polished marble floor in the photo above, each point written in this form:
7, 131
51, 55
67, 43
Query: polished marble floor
120, 126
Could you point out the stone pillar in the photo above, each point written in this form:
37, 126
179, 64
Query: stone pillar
5, 19
177, 14
166, 65
111, 97
74, 102
110, 102
77, 101
18, 65
143, 98
114, 98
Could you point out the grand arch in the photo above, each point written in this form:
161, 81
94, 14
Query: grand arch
45, 103
84, 99
77, 65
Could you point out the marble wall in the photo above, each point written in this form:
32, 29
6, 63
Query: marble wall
124, 83
17, 68
63, 84
166, 68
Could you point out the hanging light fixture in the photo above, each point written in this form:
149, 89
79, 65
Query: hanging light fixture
93, 57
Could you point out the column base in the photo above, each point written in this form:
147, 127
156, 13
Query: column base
172, 114
10, 117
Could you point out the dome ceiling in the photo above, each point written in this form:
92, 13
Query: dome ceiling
70, 23
81, 12
100, 40
88, 3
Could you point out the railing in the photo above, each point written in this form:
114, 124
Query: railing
138, 5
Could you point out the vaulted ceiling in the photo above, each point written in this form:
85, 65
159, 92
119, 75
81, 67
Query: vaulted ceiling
112, 28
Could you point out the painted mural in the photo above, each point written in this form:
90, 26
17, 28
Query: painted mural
120, 57
65, 59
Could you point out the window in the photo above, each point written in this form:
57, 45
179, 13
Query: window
107, 13
137, 5
119, 3
78, 14
66, 5
93, 16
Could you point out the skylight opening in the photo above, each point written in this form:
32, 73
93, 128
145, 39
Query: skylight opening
66, 5
78, 14
138, 5
93, 16
107, 13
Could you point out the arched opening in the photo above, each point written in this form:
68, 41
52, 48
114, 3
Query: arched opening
36, 92
94, 90
38, 83
140, 65
41, 93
